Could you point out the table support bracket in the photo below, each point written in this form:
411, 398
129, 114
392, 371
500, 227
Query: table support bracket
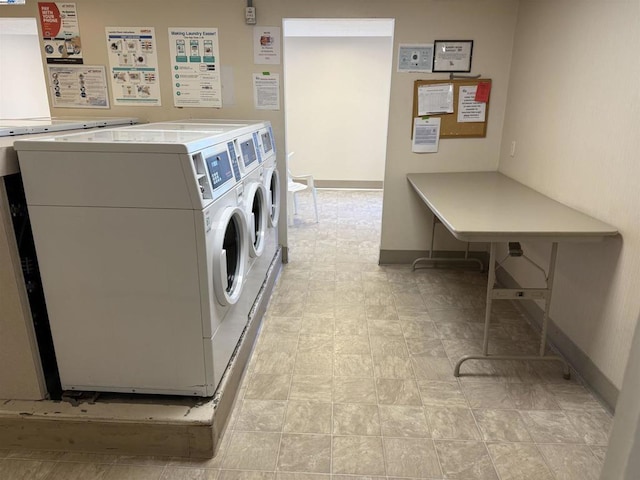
430, 260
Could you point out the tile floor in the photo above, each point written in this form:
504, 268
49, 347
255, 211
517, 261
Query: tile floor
352, 377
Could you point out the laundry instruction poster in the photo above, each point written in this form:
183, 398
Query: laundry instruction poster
78, 86
133, 66
195, 67
60, 32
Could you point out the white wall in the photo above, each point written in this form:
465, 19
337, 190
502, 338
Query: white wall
574, 110
23, 92
337, 105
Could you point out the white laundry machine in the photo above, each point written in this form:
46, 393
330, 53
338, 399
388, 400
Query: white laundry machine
143, 245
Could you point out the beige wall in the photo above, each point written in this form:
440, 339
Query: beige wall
337, 106
574, 112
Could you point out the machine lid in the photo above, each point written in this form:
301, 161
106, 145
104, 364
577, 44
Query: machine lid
122, 139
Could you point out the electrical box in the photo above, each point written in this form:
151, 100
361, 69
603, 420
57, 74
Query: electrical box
250, 15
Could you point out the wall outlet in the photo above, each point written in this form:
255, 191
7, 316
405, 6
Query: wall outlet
250, 15
512, 152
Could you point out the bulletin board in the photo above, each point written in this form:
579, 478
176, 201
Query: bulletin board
449, 125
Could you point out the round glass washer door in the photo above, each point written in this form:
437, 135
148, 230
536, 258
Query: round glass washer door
229, 255
257, 213
273, 196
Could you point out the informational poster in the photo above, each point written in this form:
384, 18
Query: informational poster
266, 45
195, 67
60, 32
266, 91
426, 135
78, 86
435, 99
415, 58
133, 66
468, 109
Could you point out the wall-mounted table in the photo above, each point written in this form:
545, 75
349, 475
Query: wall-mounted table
493, 208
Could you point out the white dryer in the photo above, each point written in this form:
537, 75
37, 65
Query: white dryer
142, 241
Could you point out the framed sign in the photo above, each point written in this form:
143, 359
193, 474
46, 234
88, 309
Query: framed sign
452, 55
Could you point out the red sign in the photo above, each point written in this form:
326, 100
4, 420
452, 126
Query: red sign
50, 19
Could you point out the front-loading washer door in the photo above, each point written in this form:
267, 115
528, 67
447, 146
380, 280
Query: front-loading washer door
257, 213
273, 195
229, 255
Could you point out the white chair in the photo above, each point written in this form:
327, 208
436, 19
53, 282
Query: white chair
294, 186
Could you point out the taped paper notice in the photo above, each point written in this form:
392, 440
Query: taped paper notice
426, 135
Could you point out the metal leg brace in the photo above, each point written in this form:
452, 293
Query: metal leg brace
517, 294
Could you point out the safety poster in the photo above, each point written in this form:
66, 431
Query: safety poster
78, 86
195, 67
133, 66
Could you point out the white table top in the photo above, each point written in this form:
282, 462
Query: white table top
491, 207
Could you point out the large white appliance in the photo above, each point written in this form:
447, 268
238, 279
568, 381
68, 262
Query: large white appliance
143, 245
259, 163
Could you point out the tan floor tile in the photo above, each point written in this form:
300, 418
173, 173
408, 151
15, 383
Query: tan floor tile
381, 312
393, 391
403, 421
358, 456
411, 457
465, 460
86, 471
17, 469
315, 343
308, 417
274, 363
252, 451
260, 416
441, 394
143, 460
181, 473
26, 454
311, 387
452, 423
392, 367
355, 419
287, 310
549, 427
352, 366
354, 390
302, 476
488, 395
318, 310
531, 397
281, 325
599, 452
268, 387
571, 462
502, 426
351, 326
317, 326
245, 475
429, 347
352, 344
574, 397
412, 328
519, 461
382, 346
593, 426
432, 368
385, 328
313, 363
305, 453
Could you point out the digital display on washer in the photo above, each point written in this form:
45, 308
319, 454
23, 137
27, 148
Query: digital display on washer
248, 152
271, 135
219, 168
234, 160
266, 142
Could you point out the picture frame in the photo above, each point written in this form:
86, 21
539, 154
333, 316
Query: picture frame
452, 56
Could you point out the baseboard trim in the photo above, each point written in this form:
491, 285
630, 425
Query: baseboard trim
579, 361
394, 257
355, 184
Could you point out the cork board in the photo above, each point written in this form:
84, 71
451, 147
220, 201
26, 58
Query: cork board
449, 125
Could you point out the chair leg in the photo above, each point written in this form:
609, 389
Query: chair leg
315, 204
295, 203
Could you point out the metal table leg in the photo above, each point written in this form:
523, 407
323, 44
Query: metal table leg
517, 294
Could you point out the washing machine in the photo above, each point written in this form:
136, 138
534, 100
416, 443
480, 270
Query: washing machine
143, 246
267, 148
